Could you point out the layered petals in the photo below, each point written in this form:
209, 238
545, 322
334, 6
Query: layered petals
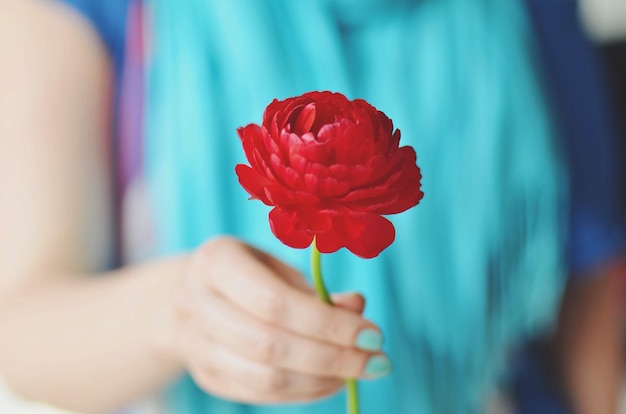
331, 167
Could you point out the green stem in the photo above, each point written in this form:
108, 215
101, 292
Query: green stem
318, 281
352, 388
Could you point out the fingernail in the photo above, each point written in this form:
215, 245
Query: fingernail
369, 340
377, 366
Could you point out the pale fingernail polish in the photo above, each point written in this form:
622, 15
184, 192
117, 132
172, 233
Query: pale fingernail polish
377, 366
369, 340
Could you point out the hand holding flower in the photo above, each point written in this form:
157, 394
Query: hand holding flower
249, 328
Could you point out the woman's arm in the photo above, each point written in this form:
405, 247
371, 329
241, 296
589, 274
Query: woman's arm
243, 324
589, 342
65, 336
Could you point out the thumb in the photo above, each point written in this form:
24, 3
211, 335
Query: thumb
352, 301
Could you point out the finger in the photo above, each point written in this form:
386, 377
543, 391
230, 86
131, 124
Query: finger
350, 301
287, 273
257, 379
231, 246
247, 336
232, 390
248, 283
353, 302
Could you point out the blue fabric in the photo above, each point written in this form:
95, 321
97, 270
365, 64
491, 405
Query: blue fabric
580, 102
580, 99
477, 266
535, 387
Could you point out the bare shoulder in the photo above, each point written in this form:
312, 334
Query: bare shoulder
56, 88
36, 31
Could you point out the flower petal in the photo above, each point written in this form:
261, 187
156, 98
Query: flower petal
253, 182
286, 227
318, 223
248, 135
345, 229
305, 119
378, 234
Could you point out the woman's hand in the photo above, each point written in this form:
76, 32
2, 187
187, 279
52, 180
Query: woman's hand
248, 328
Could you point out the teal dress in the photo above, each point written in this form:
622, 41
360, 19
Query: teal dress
476, 267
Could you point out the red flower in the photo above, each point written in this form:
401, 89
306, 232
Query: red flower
331, 168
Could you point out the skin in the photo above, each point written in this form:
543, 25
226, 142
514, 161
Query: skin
243, 324
588, 346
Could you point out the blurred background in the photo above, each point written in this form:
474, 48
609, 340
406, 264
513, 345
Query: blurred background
605, 21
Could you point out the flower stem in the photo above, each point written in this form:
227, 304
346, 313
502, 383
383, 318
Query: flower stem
318, 281
352, 388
